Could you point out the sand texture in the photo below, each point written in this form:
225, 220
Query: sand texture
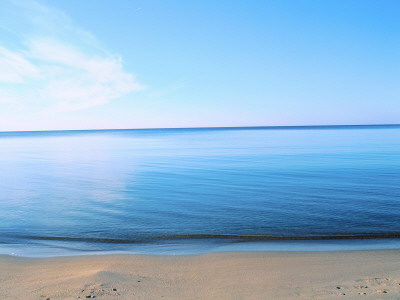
256, 275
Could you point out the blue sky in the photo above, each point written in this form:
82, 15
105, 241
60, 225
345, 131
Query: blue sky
71, 64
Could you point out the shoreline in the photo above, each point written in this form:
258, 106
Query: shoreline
58, 248
370, 274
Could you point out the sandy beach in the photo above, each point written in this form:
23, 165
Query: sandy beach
239, 275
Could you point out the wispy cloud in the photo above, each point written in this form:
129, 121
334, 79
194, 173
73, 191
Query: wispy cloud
15, 68
51, 65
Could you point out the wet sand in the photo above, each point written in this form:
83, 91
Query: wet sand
237, 275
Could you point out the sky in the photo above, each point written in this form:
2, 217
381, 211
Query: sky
72, 64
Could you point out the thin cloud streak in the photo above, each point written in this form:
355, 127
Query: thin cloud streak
14, 67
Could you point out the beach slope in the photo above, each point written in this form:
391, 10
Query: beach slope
238, 275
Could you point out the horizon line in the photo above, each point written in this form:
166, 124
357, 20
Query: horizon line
214, 127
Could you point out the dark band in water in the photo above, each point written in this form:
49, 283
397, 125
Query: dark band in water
231, 238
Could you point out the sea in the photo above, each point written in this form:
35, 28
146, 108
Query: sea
199, 190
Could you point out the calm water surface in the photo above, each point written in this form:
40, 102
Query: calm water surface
198, 190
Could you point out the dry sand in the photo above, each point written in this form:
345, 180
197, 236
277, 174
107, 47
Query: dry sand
256, 275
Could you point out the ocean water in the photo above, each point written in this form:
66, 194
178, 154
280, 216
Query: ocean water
182, 191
